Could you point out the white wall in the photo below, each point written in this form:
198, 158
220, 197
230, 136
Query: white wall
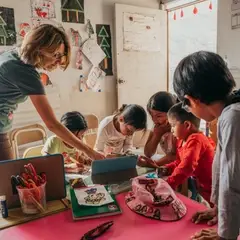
228, 39
191, 33
99, 12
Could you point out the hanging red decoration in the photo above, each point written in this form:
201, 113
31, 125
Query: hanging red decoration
181, 13
174, 16
195, 10
210, 5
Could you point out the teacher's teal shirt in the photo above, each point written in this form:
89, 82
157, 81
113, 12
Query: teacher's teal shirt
17, 81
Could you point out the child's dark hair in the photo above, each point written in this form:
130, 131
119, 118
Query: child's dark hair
181, 115
161, 101
204, 76
134, 115
74, 121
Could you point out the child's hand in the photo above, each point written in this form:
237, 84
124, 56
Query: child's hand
146, 162
88, 161
162, 171
159, 130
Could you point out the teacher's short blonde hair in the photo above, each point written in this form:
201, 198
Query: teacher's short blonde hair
47, 39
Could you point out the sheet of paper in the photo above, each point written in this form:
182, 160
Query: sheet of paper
95, 77
94, 82
93, 196
141, 33
93, 52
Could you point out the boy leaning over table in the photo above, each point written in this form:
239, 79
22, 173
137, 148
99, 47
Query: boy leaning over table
205, 86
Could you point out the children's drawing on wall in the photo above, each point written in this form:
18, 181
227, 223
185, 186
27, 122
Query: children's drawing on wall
89, 28
73, 11
93, 52
7, 26
76, 38
42, 9
94, 80
79, 59
104, 41
23, 29
45, 79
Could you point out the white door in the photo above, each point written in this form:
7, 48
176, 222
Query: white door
141, 40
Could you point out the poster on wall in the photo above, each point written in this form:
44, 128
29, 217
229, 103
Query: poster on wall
76, 38
104, 41
94, 81
141, 33
235, 20
23, 29
7, 27
72, 11
42, 9
235, 5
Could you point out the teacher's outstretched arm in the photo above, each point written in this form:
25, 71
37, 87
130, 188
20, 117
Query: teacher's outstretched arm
45, 111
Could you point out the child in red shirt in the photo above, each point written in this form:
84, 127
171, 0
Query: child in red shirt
195, 152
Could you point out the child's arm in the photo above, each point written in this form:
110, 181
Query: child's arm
128, 144
153, 140
101, 139
187, 165
172, 166
166, 159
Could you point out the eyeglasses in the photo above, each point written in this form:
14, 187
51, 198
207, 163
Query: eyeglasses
58, 56
186, 104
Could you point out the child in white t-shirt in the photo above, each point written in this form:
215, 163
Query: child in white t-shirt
115, 132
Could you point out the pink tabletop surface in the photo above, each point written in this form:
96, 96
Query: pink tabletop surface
128, 225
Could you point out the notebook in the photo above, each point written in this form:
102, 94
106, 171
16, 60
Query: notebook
114, 170
81, 212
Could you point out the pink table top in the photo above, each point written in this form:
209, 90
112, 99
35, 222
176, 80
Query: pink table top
128, 225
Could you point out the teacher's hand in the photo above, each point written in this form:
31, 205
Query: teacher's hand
209, 215
94, 155
206, 234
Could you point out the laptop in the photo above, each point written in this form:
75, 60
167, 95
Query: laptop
52, 165
114, 170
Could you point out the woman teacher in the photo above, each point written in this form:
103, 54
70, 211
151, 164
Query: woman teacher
44, 47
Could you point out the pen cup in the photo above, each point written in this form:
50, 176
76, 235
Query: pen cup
33, 200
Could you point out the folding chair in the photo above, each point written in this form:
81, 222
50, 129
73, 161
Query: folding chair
33, 152
91, 134
26, 135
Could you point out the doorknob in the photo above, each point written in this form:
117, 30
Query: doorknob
120, 81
